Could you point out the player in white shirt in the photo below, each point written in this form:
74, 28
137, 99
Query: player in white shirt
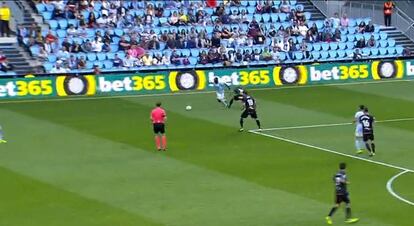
220, 86
359, 143
1, 136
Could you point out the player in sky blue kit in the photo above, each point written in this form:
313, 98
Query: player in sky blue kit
1, 136
220, 87
359, 143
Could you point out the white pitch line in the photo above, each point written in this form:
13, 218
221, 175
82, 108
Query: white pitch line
329, 125
57, 99
393, 193
332, 151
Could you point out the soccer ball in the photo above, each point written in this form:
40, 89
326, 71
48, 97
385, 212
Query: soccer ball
188, 108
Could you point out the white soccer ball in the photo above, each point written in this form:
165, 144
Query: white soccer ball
188, 108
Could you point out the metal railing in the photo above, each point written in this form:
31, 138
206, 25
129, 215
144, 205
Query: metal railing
355, 9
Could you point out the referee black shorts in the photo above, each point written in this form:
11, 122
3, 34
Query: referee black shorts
159, 128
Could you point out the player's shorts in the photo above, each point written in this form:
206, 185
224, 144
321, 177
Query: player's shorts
251, 113
159, 128
368, 136
358, 131
220, 96
342, 198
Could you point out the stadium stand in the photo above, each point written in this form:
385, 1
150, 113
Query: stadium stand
151, 35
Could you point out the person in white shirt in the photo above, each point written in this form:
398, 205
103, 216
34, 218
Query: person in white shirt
59, 69
72, 31
303, 29
96, 45
102, 21
129, 61
359, 143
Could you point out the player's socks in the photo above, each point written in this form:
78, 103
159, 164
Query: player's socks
348, 212
164, 142
373, 148
332, 211
158, 142
258, 123
241, 123
230, 103
368, 146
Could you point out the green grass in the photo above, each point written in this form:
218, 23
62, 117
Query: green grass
93, 161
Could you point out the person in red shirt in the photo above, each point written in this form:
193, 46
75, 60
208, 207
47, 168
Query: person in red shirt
388, 7
158, 118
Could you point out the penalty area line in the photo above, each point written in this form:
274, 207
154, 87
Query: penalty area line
391, 190
328, 125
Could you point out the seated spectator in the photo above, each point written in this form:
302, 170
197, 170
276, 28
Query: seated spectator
328, 37
72, 62
276, 54
203, 58
63, 54
50, 37
96, 45
266, 55
106, 47
124, 44
285, 7
360, 43
357, 55
182, 18
272, 31
243, 17
157, 59
335, 20
300, 15
42, 52
72, 31
86, 46
213, 56
216, 40
259, 7
92, 22
225, 33
238, 56
174, 19
222, 50
219, 10
58, 68
171, 42
303, 28
247, 57
175, 58
129, 61
117, 62
159, 10
310, 38
337, 35
344, 21
361, 27
154, 44
291, 49
320, 37
304, 49
268, 7
75, 48
234, 17
96, 69
256, 55
66, 43
166, 60
147, 59
370, 27
371, 42
82, 63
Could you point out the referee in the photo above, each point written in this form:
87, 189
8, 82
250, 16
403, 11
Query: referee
158, 118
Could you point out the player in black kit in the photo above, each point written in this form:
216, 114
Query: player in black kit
249, 110
367, 122
238, 95
342, 195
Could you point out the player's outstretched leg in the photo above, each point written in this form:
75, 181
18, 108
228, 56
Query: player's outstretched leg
230, 103
158, 142
1, 136
241, 125
164, 142
368, 145
373, 148
348, 214
359, 145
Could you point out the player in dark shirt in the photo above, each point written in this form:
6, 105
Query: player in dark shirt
367, 122
249, 110
238, 95
342, 195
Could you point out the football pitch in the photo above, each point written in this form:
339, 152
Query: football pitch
93, 161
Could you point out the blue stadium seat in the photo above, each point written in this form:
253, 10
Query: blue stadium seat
35, 50
383, 43
399, 50
48, 66
382, 51
252, 3
50, 7
40, 7
317, 46
266, 17
315, 55
308, 15
391, 50
195, 52
350, 45
258, 17
74, 22
251, 9
324, 55
333, 46
91, 56
383, 35
374, 51
391, 42
63, 23
341, 53
274, 17
282, 17
110, 55
298, 55
332, 54
51, 58
193, 60
325, 46
108, 64
101, 56
61, 33
53, 24
366, 51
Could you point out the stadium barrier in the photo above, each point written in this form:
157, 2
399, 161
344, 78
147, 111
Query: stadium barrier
202, 80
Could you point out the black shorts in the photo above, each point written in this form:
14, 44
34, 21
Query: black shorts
238, 97
342, 198
248, 112
159, 128
368, 136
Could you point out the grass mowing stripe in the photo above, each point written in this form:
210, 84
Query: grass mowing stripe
328, 125
331, 151
189, 93
391, 190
